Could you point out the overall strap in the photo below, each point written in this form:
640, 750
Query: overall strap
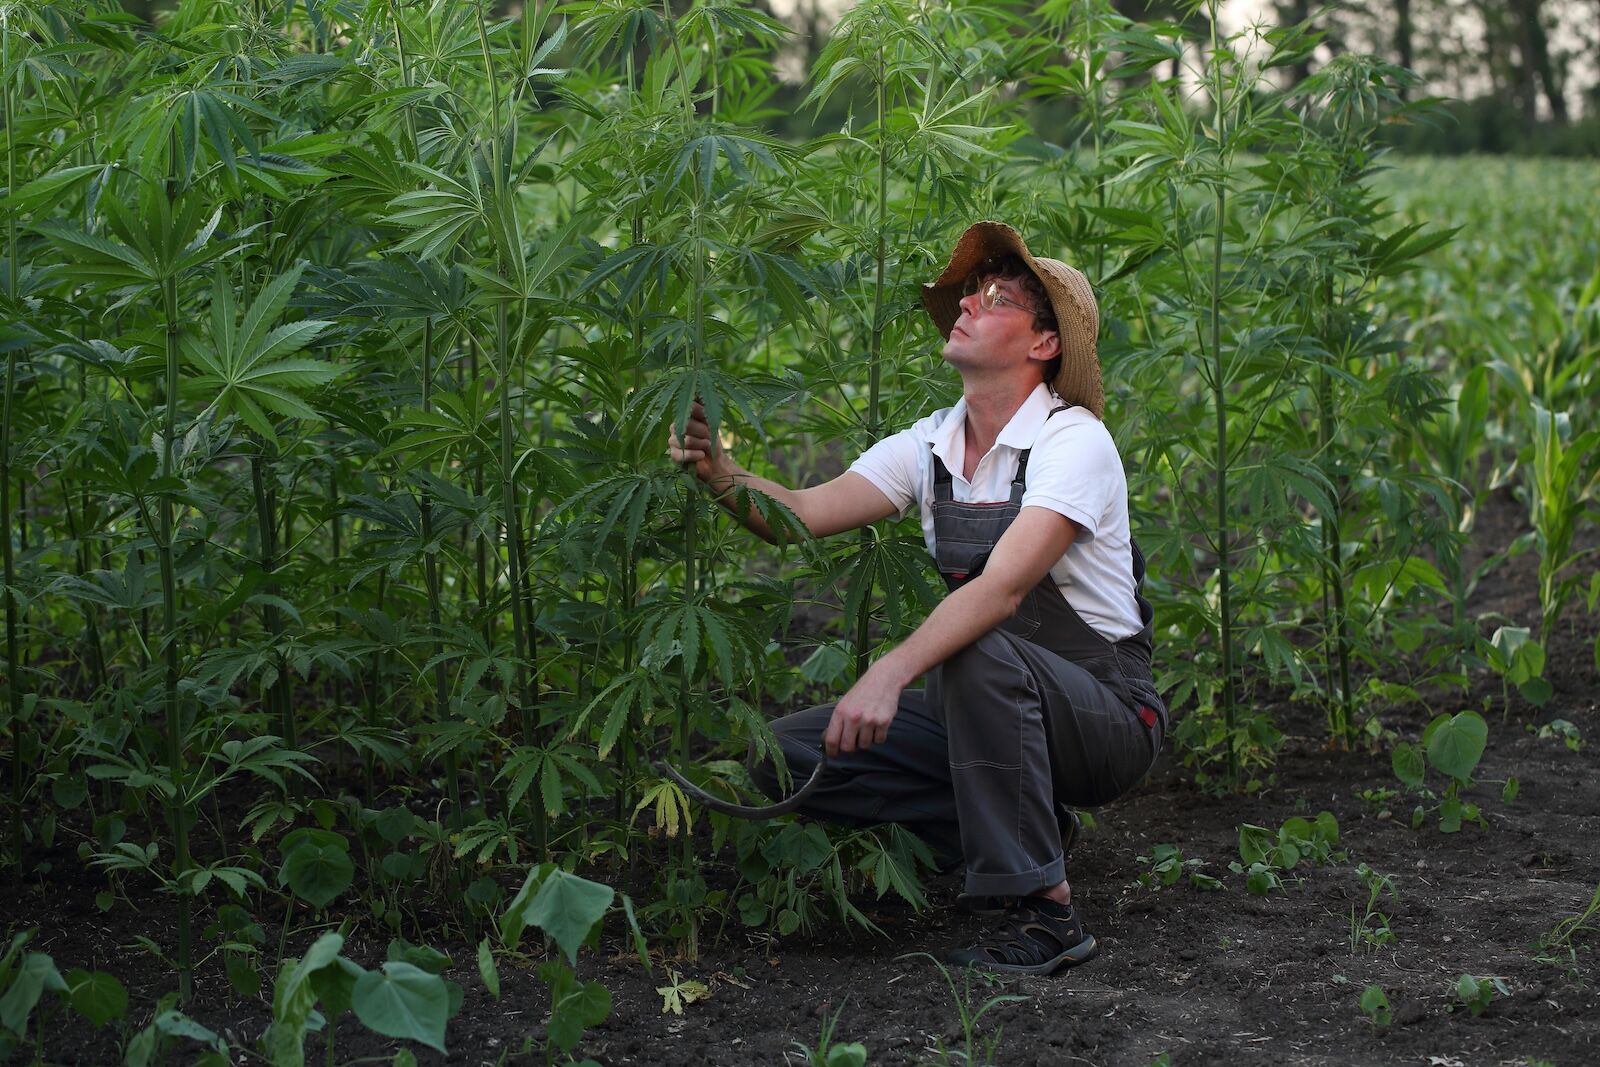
1020, 482
942, 490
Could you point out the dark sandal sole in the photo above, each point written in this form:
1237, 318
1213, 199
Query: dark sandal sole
1082, 952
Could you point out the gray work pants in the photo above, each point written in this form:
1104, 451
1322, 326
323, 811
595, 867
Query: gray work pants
977, 763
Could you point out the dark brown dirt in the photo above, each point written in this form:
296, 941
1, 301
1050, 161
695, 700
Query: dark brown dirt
1198, 976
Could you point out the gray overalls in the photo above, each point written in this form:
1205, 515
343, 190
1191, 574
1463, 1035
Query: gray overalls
1041, 712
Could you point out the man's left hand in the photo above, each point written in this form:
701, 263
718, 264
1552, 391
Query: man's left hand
862, 716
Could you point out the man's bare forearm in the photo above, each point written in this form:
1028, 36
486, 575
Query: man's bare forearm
725, 488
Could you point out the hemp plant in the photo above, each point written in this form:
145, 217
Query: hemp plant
1204, 320
932, 117
1360, 386
157, 246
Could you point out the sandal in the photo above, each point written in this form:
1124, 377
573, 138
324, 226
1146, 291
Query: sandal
1038, 936
989, 907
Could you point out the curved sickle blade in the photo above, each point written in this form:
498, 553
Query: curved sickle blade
746, 811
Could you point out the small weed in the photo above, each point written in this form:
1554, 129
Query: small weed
1264, 857
1452, 745
974, 1052
1519, 660
828, 1054
1167, 866
680, 992
1371, 928
1563, 934
1569, 734
1375, 1002
1476, 993
1379, 801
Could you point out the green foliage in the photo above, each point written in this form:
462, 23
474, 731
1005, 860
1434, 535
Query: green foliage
316, 865
1453, 745
831, 1053
1167, 865
575, 1005
1562, 729
96, 995
1264, 857
1563, 487
404, 1001
152, 1045
1375, 1004
24, 978
1369, 927
1518, 659
974, 1048
1566, 936
1476, 993
566, 907
401, 999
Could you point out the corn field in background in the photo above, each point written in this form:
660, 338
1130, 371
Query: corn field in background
342, 341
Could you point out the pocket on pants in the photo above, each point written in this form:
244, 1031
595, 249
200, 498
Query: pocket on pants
1124, 762
1024, 623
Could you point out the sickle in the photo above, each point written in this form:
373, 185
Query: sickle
746, 811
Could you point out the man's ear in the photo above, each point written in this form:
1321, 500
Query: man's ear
1047, 347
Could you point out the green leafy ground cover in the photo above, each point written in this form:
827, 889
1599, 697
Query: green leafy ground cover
343, 571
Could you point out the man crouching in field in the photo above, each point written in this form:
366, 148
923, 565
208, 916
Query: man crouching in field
1039, 695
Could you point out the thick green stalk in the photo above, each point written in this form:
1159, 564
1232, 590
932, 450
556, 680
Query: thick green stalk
508, 507
1220, 403
874, 348
1095, 122
691, 516
334, 530
505, 368
93, 647
430, 576
628, 758
481, 549
169, 618
261, 485
13, 674
1341, 712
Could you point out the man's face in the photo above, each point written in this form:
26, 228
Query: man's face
995, 329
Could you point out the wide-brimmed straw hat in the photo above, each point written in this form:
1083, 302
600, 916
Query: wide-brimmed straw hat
1077, 314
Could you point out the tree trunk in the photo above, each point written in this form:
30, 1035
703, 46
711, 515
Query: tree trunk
1535, 48
1402, 37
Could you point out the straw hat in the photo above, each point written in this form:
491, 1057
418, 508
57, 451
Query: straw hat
1077, 315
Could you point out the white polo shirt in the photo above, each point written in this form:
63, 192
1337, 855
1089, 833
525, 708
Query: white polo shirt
1074, 470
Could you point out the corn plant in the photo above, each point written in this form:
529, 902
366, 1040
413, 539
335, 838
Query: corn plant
1562, 485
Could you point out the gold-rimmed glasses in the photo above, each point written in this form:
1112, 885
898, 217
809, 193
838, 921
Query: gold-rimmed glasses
991, 296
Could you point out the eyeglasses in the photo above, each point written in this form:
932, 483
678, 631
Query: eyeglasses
990, 296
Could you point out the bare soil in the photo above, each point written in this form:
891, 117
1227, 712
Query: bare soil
1198, 976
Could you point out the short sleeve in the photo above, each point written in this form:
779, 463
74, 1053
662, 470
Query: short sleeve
892, 465
1074, 470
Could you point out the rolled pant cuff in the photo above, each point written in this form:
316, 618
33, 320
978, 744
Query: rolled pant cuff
1019, 884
